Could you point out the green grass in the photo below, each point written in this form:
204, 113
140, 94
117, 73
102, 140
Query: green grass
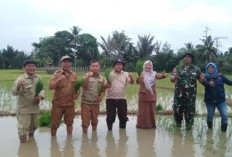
7, 78
44, 119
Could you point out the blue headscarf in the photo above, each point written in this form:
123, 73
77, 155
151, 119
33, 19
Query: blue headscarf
215, 70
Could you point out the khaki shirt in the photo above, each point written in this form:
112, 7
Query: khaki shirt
118, 85
90, 92
26, 94
64, 91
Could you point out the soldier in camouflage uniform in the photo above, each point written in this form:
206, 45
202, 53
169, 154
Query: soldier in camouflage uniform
185, 77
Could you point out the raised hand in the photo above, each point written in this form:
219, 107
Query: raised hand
164, 74
20, 83
211, 83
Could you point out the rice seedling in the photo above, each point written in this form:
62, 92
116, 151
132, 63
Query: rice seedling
109, 78
77, 85
99, 88
139, 67
39, 87
180, 64
44, 119
159, 107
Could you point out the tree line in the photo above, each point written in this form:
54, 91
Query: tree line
84, 47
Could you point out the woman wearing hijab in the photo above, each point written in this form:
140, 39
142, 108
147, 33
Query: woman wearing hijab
215, 95
147, 96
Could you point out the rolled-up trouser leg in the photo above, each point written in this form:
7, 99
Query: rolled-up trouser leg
33, 126
24, 121
56, 115
85, 116
94, 116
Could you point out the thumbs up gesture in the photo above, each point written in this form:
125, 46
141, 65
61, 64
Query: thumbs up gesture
164, 74
211, 83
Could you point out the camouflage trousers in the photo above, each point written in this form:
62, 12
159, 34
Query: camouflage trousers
184, 106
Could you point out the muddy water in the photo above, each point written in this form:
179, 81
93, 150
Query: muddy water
164, 141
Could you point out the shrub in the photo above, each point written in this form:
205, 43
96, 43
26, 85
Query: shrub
44, 119
159, 107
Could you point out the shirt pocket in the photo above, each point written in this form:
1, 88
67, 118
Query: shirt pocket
28, 88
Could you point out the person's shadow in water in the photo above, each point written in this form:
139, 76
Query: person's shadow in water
28, 149
145, 141
89, 146
57, 150
114, 148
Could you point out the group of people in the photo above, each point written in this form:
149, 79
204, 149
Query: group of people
94, 87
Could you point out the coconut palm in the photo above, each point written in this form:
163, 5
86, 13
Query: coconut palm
207, 50
145, 46
116, 45
75, 32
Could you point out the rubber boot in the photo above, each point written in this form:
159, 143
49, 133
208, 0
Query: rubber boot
210, 124
188, 126
178, 124
223, 127
109, 125
69, 129
122, 125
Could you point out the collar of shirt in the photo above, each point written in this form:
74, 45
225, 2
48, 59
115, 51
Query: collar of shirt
29, 76
118, 73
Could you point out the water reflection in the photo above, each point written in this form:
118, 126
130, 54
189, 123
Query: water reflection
89, 147
64, 148
28, 149
116, 147
165, 140
111, 147
182, 147
145, 141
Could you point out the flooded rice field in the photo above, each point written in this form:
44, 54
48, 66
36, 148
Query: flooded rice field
164, 98
164, 141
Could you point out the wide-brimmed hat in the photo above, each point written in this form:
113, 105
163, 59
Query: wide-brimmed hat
119, 60
65, 57
188, 53
29, 62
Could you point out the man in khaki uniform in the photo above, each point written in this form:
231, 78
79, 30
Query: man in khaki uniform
92, 94
27, 104
62, 82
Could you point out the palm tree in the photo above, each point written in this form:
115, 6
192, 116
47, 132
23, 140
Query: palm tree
145, 46
207, 50
106, 45
116, 45
75, 42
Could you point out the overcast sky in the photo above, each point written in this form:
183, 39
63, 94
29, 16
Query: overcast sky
174, 21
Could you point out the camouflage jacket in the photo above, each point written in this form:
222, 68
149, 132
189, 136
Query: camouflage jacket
186, 83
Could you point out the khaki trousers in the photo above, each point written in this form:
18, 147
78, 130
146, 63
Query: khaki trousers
89, 112
58, 112
27, 123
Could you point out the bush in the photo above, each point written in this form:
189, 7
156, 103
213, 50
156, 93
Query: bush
44, 119
159, 107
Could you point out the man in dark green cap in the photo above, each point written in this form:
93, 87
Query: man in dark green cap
185, 77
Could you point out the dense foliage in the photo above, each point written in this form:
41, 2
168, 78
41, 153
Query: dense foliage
84, 47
